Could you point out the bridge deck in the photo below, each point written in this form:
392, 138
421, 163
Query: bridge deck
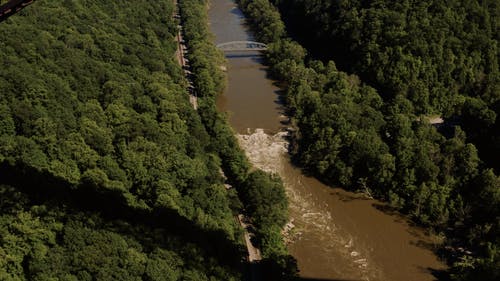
241, 46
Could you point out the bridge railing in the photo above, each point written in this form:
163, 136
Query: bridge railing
240, 46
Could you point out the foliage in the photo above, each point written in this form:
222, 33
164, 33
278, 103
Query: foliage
347, 133
50, 242
205, 59
440, 55
89, 105
265, 19
94, 108
266, 204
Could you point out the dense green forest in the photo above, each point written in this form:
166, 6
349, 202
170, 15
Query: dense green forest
96, 102
53, 241
370, 130
443, 56
106, 171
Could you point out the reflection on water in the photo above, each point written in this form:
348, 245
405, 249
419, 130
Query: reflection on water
333, 234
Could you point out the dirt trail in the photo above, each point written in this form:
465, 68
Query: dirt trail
180, 54
253, 252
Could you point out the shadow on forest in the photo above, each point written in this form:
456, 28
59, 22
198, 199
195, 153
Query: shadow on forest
43, 187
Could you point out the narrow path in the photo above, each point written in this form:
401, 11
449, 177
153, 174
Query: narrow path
253, 252
180, 53
254, 257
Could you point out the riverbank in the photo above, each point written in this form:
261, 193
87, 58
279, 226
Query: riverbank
337, 235
353, 135
266, 210
180, 54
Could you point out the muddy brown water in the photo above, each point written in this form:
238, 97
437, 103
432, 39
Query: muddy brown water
335, 234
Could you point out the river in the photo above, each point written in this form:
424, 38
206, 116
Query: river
336, 235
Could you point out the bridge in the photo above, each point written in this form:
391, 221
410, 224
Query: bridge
242, 46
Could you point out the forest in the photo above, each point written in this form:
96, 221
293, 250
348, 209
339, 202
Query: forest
363, 82
106, 171
440, 55
103, 160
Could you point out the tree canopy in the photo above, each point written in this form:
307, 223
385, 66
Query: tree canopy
371, 130
104, 165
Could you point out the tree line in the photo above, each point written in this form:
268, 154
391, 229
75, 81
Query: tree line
370, 131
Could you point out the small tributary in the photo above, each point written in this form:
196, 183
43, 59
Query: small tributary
335, 235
